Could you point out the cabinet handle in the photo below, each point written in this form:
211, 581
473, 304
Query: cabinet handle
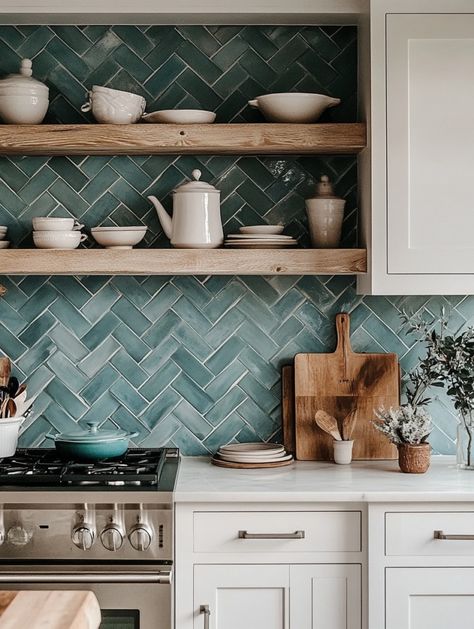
441, 535
204, 609
247, 535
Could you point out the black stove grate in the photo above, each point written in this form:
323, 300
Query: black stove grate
40, 467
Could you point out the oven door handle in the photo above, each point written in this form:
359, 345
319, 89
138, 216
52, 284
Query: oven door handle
163, 576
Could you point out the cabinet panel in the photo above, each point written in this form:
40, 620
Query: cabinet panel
430, 143
242, 597
325, 597
429, 598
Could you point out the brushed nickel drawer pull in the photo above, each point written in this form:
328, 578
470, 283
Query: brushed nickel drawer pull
441, 535
295, 535
204, 609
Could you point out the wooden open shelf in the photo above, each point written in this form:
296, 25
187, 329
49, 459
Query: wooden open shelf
148, 139
183, 262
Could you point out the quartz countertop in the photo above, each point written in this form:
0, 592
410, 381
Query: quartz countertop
362, 481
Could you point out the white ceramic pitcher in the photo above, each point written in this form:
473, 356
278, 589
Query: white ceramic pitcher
196, 222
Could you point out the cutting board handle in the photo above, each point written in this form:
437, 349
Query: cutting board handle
343, 330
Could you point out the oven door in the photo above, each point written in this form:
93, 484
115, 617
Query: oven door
129, 597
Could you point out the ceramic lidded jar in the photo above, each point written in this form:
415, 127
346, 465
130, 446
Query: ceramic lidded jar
325, 215
23, 99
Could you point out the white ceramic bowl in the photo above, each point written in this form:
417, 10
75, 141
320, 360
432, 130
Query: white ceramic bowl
118, 237
4, 244
111, 106
180, 116
295, 107
53, 223
262, 229
57, 239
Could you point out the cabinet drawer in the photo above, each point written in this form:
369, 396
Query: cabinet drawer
277, 531
414, 533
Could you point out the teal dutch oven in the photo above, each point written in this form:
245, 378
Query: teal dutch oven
92, 444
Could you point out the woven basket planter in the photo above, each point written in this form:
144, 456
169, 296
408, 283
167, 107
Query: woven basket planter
414, 459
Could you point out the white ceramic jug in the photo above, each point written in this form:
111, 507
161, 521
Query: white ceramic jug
196, 222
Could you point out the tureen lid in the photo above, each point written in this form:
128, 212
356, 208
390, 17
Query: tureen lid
24, 80
92, 435
325, 189
196, 185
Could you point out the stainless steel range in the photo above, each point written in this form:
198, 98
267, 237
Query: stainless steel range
105, 527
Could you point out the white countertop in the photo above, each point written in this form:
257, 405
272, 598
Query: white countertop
362, 481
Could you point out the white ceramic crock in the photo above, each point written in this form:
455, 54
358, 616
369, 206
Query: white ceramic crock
9, 432
343, 452
196, 222
111, 106
325, 216
23, 99
53, 223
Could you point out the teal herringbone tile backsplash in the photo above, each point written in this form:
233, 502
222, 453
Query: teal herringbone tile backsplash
190, 361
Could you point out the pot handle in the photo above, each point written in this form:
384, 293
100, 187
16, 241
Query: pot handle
49, 436
253, 103
131, 435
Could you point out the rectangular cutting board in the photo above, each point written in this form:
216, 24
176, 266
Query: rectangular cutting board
338, 383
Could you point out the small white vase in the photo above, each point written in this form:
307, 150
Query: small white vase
325, 215
343, 452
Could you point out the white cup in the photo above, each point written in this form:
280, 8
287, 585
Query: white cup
58, 239
110, 106
53, 224
343, 452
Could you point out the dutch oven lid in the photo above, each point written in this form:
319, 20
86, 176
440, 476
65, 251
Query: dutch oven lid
92, 435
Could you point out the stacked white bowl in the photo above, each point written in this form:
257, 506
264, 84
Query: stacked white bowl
119, 237
51, 232
4, 244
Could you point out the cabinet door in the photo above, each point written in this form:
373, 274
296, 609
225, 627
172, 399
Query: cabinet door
242, 597
430, 143
325, 597
429, 598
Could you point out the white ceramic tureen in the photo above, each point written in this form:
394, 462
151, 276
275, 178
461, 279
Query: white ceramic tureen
23, 99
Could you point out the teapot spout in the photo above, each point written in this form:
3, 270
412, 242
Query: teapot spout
163, 216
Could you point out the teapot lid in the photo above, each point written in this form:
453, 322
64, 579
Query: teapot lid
196, 185
325, 189
24, 80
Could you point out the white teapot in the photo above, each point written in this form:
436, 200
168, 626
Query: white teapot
196, 222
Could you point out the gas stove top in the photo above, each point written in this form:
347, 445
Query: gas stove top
152, 469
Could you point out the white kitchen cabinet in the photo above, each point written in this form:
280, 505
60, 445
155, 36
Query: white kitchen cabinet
429, 598
242, 597
277, 596
417, 202
325, 597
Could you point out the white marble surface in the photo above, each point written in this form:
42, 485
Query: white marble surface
378, 481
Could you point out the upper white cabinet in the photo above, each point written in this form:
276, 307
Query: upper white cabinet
418, 209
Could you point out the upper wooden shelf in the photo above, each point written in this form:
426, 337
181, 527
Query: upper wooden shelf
183, 262
149, 139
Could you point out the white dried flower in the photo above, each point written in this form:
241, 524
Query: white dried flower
404, 424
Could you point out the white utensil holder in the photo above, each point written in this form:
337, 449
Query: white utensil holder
9, 432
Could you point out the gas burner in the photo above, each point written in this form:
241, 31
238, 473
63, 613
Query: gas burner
138, 467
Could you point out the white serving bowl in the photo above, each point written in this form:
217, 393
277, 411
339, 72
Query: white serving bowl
180, 116
58, 239
4, 244
53, 223
118, 237
294, 107
262, 229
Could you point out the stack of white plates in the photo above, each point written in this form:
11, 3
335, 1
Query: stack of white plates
260, 241
4, 244
254, 453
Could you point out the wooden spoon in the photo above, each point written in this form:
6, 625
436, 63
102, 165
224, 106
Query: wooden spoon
5, 371
328, 423
11, 408
348, 425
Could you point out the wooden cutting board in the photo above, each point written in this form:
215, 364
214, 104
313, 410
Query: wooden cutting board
338, 383
288, 408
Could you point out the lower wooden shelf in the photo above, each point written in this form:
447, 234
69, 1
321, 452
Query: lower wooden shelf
183, 262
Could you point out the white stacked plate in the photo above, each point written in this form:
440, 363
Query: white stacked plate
260, 241
254, 453
4, 244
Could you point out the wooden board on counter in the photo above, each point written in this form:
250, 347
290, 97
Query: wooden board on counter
41, 609
173, 139
288, 408
183, 262
339, 383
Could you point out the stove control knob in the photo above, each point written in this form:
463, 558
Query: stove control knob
140, 536
111, 537
19, 536
83, 536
